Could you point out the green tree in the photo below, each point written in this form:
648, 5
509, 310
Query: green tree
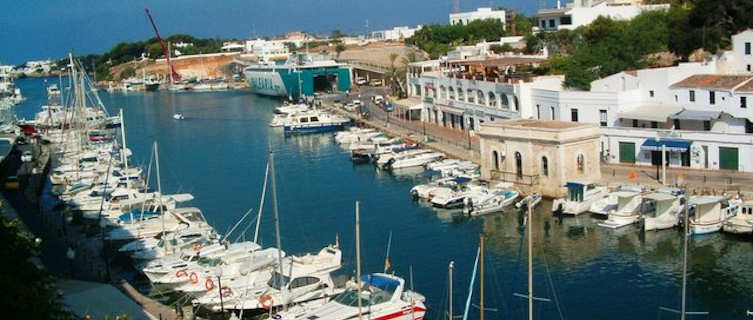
28, 291
500, 48
336, 34
339, 48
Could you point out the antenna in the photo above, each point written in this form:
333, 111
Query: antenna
456, 9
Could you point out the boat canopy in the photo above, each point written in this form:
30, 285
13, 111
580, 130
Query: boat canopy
461, 180
659, 196
652, 144
625, 194
378, 280
698, 115
704, 200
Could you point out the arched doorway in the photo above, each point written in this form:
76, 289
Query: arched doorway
518, 165
495, 160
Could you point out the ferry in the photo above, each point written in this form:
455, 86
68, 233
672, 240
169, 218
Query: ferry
300, 75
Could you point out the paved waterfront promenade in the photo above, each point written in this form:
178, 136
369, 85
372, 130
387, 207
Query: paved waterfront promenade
458, 144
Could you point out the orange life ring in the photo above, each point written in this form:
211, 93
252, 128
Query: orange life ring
209, 284
266, 301
226, 291
194, 278
181, 273
196, 247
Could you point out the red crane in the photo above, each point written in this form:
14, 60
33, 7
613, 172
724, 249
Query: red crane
174, 74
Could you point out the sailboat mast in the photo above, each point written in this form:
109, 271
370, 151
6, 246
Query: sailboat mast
159, 185
481, 277
261, 204
358, 257
684, 261
451, 267
123, 139
277, 216
530, 261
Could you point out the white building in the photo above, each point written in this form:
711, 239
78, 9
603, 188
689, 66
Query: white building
232, 46
479, 14
394, 34
699, 112
267, 50
583, 12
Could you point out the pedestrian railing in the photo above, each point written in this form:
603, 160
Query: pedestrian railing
518, 178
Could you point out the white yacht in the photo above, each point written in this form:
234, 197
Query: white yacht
314, 122
382, 296
708, 213
662, 209
416, 160
609, 202
504, 196
742, 222
628, 210
580, 197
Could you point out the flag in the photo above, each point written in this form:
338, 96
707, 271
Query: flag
387, 264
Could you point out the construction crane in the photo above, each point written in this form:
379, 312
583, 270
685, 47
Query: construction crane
173, 74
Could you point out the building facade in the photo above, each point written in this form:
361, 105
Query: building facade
540, 155
394, 34
583, 12
479, 14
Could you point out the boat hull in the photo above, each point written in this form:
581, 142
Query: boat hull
705, 228
313, 128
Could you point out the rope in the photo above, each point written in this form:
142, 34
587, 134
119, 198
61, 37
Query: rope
551, 284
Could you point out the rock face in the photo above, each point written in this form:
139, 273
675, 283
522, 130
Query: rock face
200, 66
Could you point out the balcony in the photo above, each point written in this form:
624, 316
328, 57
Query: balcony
521, 179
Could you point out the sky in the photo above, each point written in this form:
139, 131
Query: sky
41, 29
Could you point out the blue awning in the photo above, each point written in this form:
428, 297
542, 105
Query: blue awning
379, 280
574, 185
671, 145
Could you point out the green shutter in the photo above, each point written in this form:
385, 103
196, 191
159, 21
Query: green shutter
728, 158
627, 152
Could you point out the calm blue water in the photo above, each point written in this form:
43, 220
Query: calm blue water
218, 153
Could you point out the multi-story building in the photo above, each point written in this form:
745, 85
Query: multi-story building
698, 113
462, 94
583, 12
394, 34
479, 14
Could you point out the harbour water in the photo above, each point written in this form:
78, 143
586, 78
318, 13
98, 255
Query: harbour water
219, 151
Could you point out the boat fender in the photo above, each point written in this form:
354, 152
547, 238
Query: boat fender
226, 291
194, 278
181, 273
209, 284
196, 247
266, 301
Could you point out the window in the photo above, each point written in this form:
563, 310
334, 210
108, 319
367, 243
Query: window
635, 123
518, 165
543, 24
603, 118
677, 124
675, 98
544, 166
748, 126
551, 114
581, 163
303, 281
566, 20
707, 125
651, 93
747, 48
551, 23
691, 95
538, 112
495, 160
654, 124
748, 67
743, 102
574, 115
712, 97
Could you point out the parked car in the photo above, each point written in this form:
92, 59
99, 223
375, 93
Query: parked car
26, 156
375, 82
360, 81
378, 99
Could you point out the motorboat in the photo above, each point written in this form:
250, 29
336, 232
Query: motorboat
627, 212
503, 196
609, 202
462, 196
416, 160
662, 209
580, 197
742, 222
302, 279
385, 160
172, 221
707, 214
354, 134
291, 108
313, 122
382, 296
424, 191
178, 116
161, 268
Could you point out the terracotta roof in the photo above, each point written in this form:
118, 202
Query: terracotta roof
712, 81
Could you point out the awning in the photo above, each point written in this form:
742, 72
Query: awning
656, 113
671, 145
410, 103
699, 115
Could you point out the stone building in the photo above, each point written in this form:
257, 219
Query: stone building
540, 155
